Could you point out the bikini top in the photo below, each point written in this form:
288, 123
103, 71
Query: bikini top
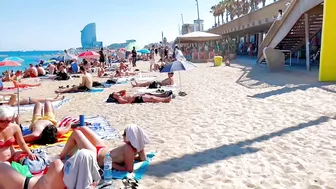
7, 143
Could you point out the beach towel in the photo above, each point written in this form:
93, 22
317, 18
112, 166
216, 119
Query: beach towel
140, 169
30, 107
98, 124
92, 90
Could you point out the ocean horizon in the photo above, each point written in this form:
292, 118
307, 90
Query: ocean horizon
33, 56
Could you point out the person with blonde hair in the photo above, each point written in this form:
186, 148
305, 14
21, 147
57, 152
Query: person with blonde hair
10, 133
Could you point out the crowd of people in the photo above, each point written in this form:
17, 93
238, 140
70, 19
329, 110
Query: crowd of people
45, 129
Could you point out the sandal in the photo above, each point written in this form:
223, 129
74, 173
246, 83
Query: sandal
182, 93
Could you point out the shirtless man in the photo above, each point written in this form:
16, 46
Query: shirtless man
44, 126
123, 156
40, 70
141, 98
166, 82
31, 72
86, 84
53, 179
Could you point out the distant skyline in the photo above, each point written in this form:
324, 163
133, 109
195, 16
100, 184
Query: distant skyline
56, 25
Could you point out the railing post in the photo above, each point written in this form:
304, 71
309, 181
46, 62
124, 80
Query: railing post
306, 16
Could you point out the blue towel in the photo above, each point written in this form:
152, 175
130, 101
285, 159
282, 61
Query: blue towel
139, 173
95, 90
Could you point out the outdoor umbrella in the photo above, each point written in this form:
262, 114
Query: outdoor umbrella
177, 66
130, 46
11, 63
14, 58
64, 57
143, 51
89, 54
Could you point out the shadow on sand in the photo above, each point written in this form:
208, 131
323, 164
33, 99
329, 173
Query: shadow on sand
257, 76
191, 161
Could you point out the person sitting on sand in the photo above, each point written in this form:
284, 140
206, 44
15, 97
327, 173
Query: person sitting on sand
166, 82
123, 157
9, 134
44, 126
52, 68
86, 84
40, 70
53, 179
122, 98
31, 72
25, 101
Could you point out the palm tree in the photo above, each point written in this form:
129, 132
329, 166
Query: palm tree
213, 11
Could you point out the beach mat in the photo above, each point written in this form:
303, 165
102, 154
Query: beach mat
140, 169
98, 124
30, 107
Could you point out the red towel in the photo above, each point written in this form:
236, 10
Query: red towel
68, 119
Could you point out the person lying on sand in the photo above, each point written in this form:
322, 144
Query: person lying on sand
166, 82
123, 157
9, 134
44, 126
18, 84
53, 179
86, 84
25, 101
122, 98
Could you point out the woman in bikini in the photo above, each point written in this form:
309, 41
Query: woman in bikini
25, 101
53, 179
123, 156
9, 134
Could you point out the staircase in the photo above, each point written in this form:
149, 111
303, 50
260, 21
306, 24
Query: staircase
289, 32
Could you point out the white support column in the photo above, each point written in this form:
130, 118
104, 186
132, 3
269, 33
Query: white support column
307, 41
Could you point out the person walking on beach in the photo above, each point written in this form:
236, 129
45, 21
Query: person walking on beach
102, 58
134, 55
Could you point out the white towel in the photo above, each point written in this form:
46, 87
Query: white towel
136, 136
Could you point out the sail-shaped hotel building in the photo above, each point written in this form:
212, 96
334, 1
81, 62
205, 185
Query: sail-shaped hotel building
89, 38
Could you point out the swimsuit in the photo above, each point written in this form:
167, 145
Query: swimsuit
83, 88
7, 143
98, 148
26, 182
138, 99
50, 116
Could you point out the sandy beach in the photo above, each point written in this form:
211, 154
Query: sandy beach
237, 128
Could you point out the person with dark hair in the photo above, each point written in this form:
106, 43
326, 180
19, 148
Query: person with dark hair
279, 14
134, 56
166, 82
86, 84
122, 98
44, 125
102, 58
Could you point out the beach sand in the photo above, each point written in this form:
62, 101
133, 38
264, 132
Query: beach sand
237, 128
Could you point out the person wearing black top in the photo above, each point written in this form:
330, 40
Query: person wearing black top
134, 55
102, 57
166, 52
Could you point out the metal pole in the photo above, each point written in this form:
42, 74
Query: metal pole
307, 41
198, 17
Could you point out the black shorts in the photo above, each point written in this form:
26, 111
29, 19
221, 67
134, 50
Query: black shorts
138, 99
83, 88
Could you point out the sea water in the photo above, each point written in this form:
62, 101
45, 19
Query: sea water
30, 57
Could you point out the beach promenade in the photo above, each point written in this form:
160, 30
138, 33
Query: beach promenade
237, 128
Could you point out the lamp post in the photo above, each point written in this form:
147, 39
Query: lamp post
198, 17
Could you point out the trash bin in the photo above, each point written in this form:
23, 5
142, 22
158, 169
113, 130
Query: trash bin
218, 60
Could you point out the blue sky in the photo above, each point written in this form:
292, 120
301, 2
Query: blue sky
55, 25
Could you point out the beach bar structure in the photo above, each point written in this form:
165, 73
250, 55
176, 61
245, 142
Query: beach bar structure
301, 21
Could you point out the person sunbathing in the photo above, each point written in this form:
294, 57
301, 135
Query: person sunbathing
25, 101
139, 98
53, 179
18, 84
44, 126
166, 82
31, 72
123, 156
9, 134
86, 84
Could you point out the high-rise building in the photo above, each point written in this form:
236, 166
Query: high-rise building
89, 38
196, 27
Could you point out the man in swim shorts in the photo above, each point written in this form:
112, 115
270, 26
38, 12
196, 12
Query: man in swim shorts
86, 84
140, 98
44, 125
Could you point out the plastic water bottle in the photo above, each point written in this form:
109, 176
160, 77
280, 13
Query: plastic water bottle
107, 168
